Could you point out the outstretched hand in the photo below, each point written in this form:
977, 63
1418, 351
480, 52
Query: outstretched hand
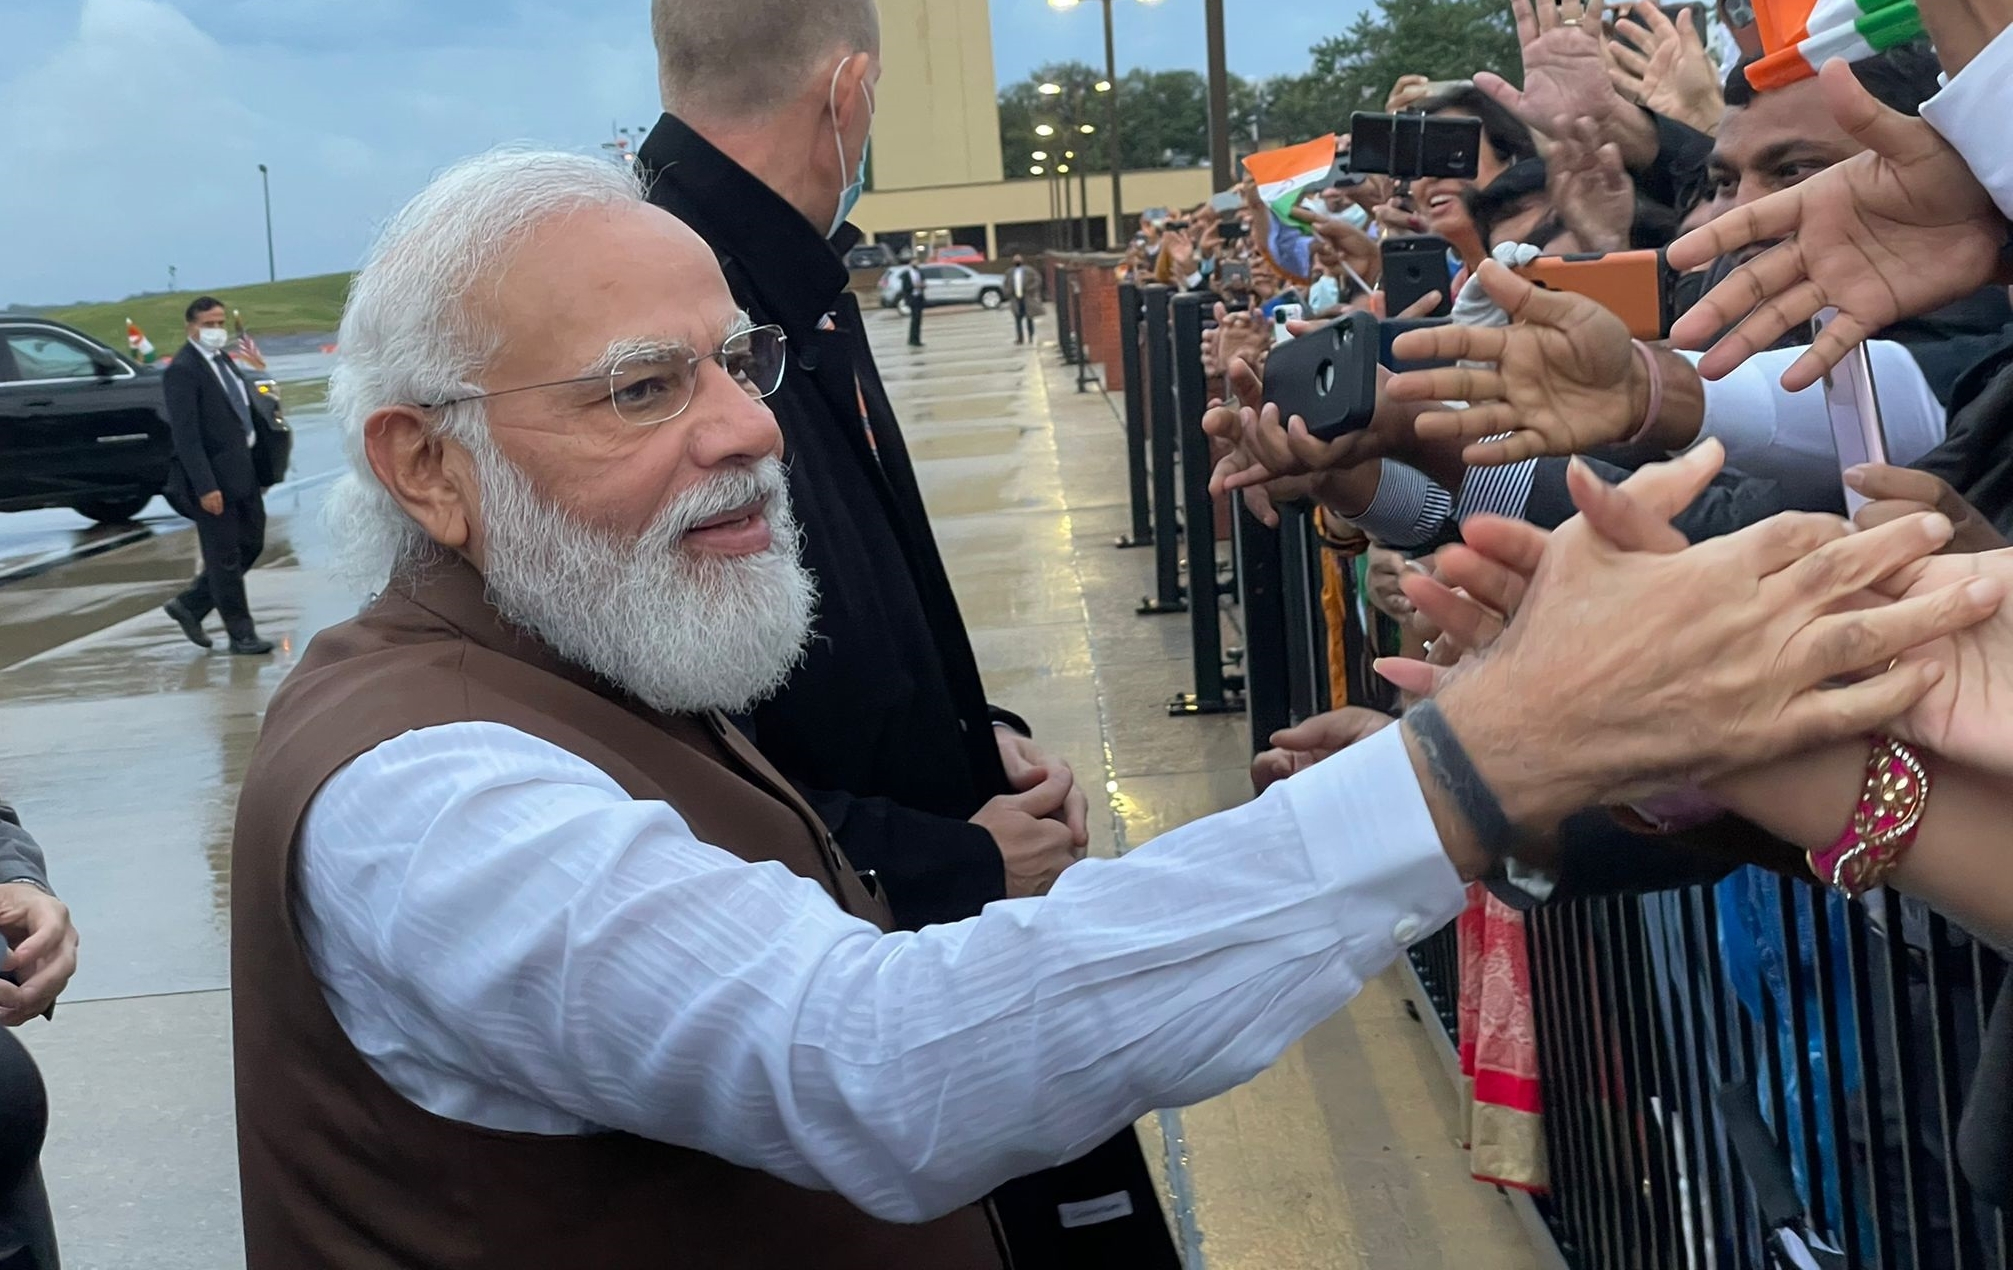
1897, 231
1664, 66
1565, 376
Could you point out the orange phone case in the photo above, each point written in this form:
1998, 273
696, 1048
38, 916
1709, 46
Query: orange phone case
1629, 284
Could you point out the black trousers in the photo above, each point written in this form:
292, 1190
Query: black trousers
232, 544
916, 323
1023, 321
27, 1232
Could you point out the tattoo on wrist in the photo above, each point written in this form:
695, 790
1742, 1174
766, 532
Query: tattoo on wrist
1455, 773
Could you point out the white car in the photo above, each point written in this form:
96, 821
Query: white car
946, 284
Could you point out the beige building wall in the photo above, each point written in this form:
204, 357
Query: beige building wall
936, 119
1008, 202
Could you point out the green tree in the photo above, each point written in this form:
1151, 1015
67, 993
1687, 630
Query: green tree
1164, 115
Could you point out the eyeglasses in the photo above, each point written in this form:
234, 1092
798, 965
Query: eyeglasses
656, 385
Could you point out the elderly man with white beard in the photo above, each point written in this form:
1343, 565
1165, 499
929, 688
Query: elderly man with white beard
535, 962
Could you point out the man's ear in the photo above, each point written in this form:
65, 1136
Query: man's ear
851, 98
429, 476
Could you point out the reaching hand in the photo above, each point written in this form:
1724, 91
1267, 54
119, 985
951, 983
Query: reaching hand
1664, 66
1300, 747
1565, 72
1968, 713
1181, 250
1566, 377
1408, 91
213, 502
1356, 248
37, 926
1265, 447
1885, 235
1894, 492
1591, 188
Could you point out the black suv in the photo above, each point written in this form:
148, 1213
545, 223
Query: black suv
83, 427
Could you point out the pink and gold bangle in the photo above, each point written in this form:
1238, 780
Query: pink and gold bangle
1656, 401
1892, 799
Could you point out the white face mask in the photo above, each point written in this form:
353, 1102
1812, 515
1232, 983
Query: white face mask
213, 338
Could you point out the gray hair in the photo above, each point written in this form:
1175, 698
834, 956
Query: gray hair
413, 331
724, 58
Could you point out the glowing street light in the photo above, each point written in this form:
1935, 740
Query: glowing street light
1039, 156
1044, 130
1062, 168
1036, 170
1050, 90
1102, 86
1087, 129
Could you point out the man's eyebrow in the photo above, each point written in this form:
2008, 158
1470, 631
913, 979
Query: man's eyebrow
635, 346
1782, 151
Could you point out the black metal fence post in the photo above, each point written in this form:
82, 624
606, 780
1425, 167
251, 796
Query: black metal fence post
1306, 627
1076, 323
1065, 331
1135, 418
1163, 423
1205, 618
1259, 581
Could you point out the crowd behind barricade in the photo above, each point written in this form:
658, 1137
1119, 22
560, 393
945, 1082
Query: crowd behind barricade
1834, 240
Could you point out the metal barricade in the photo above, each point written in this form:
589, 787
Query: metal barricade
1215, 693
1162, 427
1135, 418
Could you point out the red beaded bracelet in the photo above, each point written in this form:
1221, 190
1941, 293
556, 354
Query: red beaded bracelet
1892, 799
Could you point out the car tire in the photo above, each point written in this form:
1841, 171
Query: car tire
991, 298
113, 511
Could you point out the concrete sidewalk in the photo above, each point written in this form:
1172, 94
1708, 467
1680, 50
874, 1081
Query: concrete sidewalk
123, 747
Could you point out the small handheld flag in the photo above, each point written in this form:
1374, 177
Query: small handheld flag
136, 339
1285, 175
1798, 36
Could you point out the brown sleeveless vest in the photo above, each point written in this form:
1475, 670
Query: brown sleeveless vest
341, 1171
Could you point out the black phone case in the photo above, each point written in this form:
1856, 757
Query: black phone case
1413, 267
1328, 377
1409, 146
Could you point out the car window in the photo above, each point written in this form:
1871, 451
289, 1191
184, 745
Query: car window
48, 355
943, 273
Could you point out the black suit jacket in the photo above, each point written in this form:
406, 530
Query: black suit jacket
209, 436
885, 727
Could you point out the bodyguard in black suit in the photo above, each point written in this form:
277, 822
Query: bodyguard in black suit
213, 480
885, 726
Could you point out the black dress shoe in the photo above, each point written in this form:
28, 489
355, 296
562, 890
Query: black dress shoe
250, 646
192, 626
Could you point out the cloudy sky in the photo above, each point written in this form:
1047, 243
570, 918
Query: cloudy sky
134, 128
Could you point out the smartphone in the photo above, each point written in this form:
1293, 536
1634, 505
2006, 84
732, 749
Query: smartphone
1281, 315
1412, 267
1228, 203
1440, 87
1672, 11
1328, 377
1635, 286
1235, 274
1232, 230
1411, 146
1856, 429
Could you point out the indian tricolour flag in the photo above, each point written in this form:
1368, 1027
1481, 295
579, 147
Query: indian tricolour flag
136, 339
1284, 176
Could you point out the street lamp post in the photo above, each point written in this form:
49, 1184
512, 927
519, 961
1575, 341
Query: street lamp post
272, 269
1109, 87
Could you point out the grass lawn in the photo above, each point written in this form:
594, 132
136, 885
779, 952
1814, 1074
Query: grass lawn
292, 307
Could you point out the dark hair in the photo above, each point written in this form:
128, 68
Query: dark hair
201, 304
1900, 78
1505, 133
1514, 191
1654, 224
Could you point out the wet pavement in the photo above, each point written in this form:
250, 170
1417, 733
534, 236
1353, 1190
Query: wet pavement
122, 746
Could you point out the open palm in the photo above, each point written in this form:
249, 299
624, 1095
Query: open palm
1895, 232
1565, 71
1968, 715
1559, 380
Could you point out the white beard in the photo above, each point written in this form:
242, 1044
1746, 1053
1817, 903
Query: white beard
680, 631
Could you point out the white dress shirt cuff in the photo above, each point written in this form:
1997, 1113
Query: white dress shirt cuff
1970, 111
1370, 837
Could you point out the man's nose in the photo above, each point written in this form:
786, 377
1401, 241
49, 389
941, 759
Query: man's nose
735, 427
